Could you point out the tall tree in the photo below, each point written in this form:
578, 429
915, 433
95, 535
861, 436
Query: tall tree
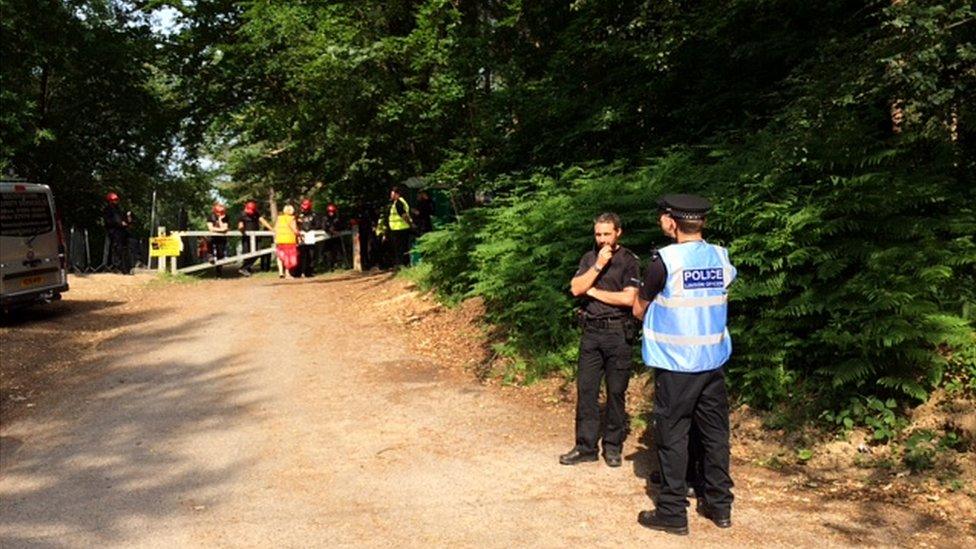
85, 104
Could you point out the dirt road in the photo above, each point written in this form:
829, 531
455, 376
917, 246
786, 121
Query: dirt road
287, 413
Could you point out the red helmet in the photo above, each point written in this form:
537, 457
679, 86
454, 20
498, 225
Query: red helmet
250, 207
219, 209
306, 205
112, 198
332, 209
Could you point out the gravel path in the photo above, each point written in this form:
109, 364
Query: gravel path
282, 413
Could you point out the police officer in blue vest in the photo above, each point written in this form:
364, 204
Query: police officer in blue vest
683, 302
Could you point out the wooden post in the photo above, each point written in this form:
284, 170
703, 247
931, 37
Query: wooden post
87, 251
173, 259
357, 262
273, 204
161, 261
70, 245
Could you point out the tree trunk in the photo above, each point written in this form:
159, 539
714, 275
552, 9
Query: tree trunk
272, 202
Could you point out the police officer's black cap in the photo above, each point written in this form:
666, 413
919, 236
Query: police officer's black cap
684, 206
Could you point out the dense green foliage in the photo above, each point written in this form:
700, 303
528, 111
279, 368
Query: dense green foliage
854, 239
301, 97
836, 138
85, 106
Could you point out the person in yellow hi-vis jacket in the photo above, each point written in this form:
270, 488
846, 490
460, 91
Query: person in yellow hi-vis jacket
400, 225
286, 241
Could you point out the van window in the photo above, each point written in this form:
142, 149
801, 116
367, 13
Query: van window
25, 214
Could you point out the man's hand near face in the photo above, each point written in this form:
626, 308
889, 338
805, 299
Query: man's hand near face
604, 256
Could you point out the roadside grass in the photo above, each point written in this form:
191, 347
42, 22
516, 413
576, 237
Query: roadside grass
417, 274
167, 279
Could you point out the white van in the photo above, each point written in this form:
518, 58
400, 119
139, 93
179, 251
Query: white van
32, 252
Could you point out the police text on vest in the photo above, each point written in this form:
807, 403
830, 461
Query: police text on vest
703, 278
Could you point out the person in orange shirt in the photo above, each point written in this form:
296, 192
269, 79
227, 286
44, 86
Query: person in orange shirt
286, 241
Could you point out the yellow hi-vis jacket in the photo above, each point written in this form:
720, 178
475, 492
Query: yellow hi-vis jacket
283, 232
397, 221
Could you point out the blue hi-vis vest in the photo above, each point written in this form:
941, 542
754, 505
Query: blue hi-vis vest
684, 327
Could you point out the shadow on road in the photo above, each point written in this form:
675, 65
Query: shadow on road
644, 462
118, 454
49, 348
109, 445
52, 312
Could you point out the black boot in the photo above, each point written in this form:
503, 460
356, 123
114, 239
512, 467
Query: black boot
575, 456
722, 519
650, 519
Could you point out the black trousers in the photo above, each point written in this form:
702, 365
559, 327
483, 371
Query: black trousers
332, 250
306, 259
218, 247
119, 252
604, 354
248, 264
135, 251
696, 472
246, 248
401, 247
679, 400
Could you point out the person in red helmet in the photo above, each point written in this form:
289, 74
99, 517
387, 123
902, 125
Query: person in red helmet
251, 220
333, 225
218, 223
117, 231
308, 220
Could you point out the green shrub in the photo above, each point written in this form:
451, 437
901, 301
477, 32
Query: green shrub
919, 451
879, 416
854, 243
847, 285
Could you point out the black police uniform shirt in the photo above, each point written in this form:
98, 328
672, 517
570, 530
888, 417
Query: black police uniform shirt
310, 221
623, 271
218, 242
214, 220
113, 217
654, 278
332, 223
251, 222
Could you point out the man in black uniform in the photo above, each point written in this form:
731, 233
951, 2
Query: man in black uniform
250, 220
117, 230
607, 280
683, 302
217, 222
308, 220
333, 225
367, 247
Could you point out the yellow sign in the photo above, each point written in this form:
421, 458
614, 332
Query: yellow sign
164, 246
